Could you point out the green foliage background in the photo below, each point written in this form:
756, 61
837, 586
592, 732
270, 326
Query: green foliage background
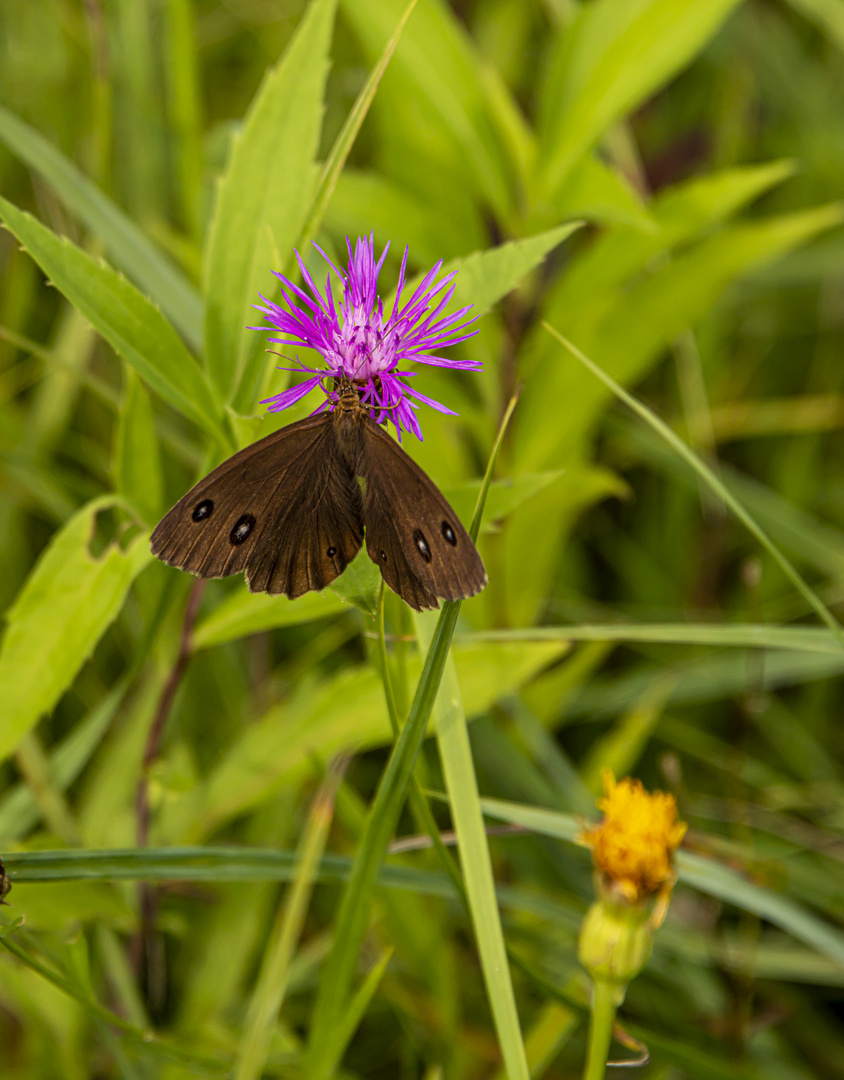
658, 180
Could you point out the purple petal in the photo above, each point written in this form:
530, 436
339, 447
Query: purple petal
291, 396
429, 401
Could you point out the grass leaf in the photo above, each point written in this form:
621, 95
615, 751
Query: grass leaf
262, 203
125, 245
62, 611
134, 328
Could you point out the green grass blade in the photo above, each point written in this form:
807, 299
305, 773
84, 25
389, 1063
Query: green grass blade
464, 802
437, 65
183, 102
712, 482
237, 864
349, 1022
275, 970
744, 636
262, 202
160, 1048
133, 326
705, 875
63, 609
18, 812
615, 54
126, 246
345, 140
350, 924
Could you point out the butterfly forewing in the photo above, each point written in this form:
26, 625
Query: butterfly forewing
412, 534
286, 509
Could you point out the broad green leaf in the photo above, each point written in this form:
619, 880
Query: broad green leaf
827, 14
137, 463
62, 906
18, 811
134, 328
614, 54
367, 201
359, 584
344, 713
485, 277
597, 192
679, 214
244, 613
262, 203
628, 333
345, 140
62, 611
437, 67
652, 314
125, 245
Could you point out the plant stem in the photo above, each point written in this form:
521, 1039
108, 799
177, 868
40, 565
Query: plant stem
604, 1001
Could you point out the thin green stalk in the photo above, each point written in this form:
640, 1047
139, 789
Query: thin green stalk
601, 1021
345, 140
464, 801
142, 1037
418, 801
287, 929
711, 481
34, 767
342, 1035
350, 924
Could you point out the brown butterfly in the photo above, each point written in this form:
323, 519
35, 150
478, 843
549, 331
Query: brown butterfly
289, 510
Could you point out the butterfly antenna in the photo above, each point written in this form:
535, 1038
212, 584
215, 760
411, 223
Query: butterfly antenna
284, 356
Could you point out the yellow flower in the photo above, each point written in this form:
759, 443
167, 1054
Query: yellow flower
633, 847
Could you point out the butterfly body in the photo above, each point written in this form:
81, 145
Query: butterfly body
290, 512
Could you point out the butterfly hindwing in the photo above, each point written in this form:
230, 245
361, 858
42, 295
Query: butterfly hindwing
412, 534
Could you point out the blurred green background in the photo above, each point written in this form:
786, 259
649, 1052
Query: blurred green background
659, 181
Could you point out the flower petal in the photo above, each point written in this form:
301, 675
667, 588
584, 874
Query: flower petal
289, 397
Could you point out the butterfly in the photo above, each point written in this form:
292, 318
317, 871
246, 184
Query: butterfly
292, 509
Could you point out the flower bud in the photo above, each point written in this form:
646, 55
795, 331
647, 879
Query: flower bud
615, 942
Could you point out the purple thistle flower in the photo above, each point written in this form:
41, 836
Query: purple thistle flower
356, 341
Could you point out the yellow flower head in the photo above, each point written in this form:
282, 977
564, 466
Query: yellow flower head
633, 847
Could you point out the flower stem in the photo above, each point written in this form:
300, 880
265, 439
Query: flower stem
604, 1004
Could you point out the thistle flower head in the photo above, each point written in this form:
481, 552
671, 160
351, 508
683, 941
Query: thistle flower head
355, 338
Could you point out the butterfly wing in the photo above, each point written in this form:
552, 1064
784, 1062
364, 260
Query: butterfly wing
286, 509
412, 534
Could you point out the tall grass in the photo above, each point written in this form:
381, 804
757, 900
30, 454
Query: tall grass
311, 890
